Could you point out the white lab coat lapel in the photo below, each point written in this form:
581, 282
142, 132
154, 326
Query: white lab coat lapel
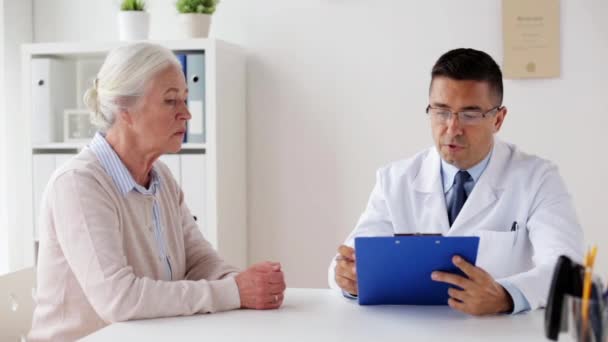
428, 190
485, 193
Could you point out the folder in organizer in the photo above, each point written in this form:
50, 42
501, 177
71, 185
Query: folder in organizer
53, 89
182, 60
397, 270
195, 70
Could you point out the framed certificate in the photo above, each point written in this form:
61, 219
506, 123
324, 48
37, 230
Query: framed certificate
77, 126
531, 38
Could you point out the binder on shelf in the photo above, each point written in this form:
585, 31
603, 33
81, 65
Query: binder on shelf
43, 126
53, 87
182, 60
195, 77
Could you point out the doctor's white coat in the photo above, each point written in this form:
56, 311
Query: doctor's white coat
515, 187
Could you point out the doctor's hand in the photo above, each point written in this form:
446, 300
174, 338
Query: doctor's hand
480, 294
261, 286
346, 270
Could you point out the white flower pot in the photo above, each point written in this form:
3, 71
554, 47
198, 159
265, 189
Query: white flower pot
195, 25
133, 25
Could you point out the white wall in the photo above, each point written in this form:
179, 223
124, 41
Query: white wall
15, 29
338, 88
3, 160
96, 20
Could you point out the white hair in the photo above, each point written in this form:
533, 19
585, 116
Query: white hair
122, 79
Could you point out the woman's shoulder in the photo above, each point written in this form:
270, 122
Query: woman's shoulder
83, 168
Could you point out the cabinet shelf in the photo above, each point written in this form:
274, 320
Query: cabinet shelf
96, 49
74, 147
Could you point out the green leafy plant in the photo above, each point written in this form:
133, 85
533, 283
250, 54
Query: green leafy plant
196, 6
133, 5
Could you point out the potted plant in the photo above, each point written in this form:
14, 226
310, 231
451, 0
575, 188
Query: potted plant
133, 20
195, 16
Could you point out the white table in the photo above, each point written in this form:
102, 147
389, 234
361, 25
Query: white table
324, 315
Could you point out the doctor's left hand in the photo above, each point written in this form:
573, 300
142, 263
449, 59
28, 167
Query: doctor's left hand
480, 294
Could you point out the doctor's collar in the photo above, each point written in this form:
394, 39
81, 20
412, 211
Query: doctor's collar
448, 171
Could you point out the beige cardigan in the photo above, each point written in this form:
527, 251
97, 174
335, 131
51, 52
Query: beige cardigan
98, 261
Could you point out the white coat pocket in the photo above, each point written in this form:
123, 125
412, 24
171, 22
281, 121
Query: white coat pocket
495, 252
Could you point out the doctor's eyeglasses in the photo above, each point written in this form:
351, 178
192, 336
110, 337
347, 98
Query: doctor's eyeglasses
466, 117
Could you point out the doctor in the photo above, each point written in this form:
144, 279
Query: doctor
471, 184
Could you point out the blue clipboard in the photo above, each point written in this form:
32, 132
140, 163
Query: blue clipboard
397, 270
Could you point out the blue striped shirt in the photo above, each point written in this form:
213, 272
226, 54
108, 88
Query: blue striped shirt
124, 181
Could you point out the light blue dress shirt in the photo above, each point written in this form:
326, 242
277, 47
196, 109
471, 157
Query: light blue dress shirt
123, 180
448, 172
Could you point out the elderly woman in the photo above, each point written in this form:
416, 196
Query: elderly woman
117, 240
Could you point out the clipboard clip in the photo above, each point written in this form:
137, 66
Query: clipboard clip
417, 234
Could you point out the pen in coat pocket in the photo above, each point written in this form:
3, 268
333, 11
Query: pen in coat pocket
515, 228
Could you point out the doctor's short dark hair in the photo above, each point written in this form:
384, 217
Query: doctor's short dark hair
470, 65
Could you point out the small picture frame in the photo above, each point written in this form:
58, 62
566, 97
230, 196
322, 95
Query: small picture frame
77, 126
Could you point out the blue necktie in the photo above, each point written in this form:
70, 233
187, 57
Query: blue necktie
459, 197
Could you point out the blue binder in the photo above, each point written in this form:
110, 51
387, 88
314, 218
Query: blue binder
397, 270
195, 77
182, 60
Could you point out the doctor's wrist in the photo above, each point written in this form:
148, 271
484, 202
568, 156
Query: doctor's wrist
508, 302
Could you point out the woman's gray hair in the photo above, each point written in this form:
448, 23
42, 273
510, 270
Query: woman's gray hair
122, 79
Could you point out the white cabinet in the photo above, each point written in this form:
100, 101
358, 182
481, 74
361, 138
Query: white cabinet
173, 163
189, 169
194, 175
62, 158
211, 173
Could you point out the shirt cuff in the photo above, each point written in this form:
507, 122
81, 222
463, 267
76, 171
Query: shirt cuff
520, 303
348, 295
